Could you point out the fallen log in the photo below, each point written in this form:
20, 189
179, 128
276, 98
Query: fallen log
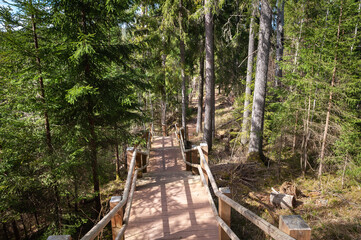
282, 200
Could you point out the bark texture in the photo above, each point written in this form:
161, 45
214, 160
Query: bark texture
246, 111
280, 36
200, 92
184, 77
259, 96
209, 100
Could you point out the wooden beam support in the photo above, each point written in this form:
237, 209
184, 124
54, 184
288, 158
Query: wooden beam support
144, 162
195, 160
295, 226
117, 220
188, 159
139, 163
224, 211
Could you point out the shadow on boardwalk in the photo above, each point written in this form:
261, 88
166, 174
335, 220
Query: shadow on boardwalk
170, 203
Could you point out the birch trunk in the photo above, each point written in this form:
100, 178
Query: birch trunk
259, 96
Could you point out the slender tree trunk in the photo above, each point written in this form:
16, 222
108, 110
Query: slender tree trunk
36, 219
279, 46
247, 110
356, 28
151, 111
5, 231
333, 81
295, 60
24, 227
259, 96
117, 162
93, 156
15, 230
183, 74
209, 100
200, 92
46, 117
91, 127
295, 133
163, 101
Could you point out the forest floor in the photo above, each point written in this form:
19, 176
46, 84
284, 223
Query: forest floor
331, 211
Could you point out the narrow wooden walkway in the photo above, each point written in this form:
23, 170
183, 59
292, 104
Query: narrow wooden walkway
170, 203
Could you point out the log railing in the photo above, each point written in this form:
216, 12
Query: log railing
136, 166
225, 201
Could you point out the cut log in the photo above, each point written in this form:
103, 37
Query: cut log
282, 200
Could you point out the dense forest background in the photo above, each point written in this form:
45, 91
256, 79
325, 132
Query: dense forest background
80, 81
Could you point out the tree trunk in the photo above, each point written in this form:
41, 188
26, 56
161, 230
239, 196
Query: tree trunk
24, 227
200, 92
246, 111
117, 162
46, 116
93, 156
356, 27
183, 74
259, 96
151, 112
91, 127
333, 81
279, 45
163, 101
209, 100
295, 60
16, 230
5, 231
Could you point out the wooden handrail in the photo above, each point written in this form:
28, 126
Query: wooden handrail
265, 226
126, 198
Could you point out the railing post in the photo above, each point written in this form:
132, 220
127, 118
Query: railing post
204, 147
195, 160
130, 151
139, 163
144, 162
295, 226
117, 220
59, 237
188, 159
224, 211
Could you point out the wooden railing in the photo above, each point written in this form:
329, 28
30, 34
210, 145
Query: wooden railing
225, 202
119, 226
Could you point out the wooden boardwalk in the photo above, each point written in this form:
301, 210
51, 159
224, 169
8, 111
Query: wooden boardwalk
170, 203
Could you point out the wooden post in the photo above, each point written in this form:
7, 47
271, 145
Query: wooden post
144, 162
117, 220
204, 147
138, 163
188, 159
295, 226
59, 237
195, 160
224, 211
130, 151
